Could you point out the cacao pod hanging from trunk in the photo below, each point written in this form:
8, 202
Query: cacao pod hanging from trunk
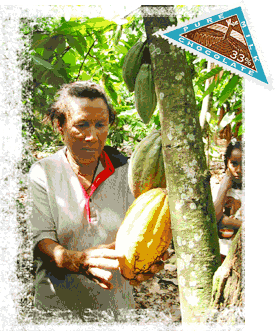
146, 170
145, 95
136, 56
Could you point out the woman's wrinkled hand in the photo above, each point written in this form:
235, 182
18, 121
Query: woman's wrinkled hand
96, 264
155, 268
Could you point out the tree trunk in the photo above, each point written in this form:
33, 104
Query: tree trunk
190, 201
228, 287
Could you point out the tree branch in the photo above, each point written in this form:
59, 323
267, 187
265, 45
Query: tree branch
85, 57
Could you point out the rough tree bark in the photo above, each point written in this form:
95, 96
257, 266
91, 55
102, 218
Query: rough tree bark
190, 200
228, 287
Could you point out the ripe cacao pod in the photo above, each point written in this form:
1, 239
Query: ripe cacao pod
132, 63
145, 233
145, 95
146, 169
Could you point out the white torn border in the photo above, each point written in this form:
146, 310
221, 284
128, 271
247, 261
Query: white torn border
161, 33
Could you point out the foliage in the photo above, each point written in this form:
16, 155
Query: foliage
62, 51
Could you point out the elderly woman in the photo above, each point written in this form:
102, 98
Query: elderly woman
80, 197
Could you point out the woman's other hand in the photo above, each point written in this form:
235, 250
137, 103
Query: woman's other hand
155, 268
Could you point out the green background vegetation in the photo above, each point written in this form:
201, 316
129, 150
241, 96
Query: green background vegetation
59, 51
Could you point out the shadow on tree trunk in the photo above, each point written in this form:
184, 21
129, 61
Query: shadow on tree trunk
227, 301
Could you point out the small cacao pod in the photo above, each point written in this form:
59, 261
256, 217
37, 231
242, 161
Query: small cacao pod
146, 169
145, 95
132, 63
145, 233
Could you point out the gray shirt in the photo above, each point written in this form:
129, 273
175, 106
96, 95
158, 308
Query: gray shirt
59, 213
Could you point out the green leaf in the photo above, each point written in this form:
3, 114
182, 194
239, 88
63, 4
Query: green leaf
237, 104
62, 73
99, 38
52, 43
74, 43
238, 118
85, 76
110, 89
98, 23
118, 35
121, 49
228, 89
67, 27
61, 45
209, 74
37, 60
82, 40
210, 89
70, 58
241, 130
39, 39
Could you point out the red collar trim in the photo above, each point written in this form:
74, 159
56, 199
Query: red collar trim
100, 178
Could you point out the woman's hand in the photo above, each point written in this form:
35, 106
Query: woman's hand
155, 268
95, 264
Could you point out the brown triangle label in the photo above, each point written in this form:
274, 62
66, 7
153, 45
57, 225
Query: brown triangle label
226, 38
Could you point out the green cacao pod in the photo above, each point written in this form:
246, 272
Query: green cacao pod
146, 169
145, 233
145, 95
132, 63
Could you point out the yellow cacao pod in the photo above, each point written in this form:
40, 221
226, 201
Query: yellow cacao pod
145, 95
146, 169
132, 63
145, 233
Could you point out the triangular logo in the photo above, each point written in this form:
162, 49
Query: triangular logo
223, 38
226, 38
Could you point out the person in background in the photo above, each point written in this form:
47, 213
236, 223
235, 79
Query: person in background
228, 202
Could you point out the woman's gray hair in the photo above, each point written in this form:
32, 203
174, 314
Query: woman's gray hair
80, 89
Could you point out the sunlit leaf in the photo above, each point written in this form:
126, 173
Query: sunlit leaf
210, 89
209, 74
121, 49
128, 112
70, 58
229, 89
67, 27
238, 118
241, 130
37, 60
98, 22
228, 118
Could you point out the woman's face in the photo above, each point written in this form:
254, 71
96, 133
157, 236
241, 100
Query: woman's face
85, 129
234, 164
